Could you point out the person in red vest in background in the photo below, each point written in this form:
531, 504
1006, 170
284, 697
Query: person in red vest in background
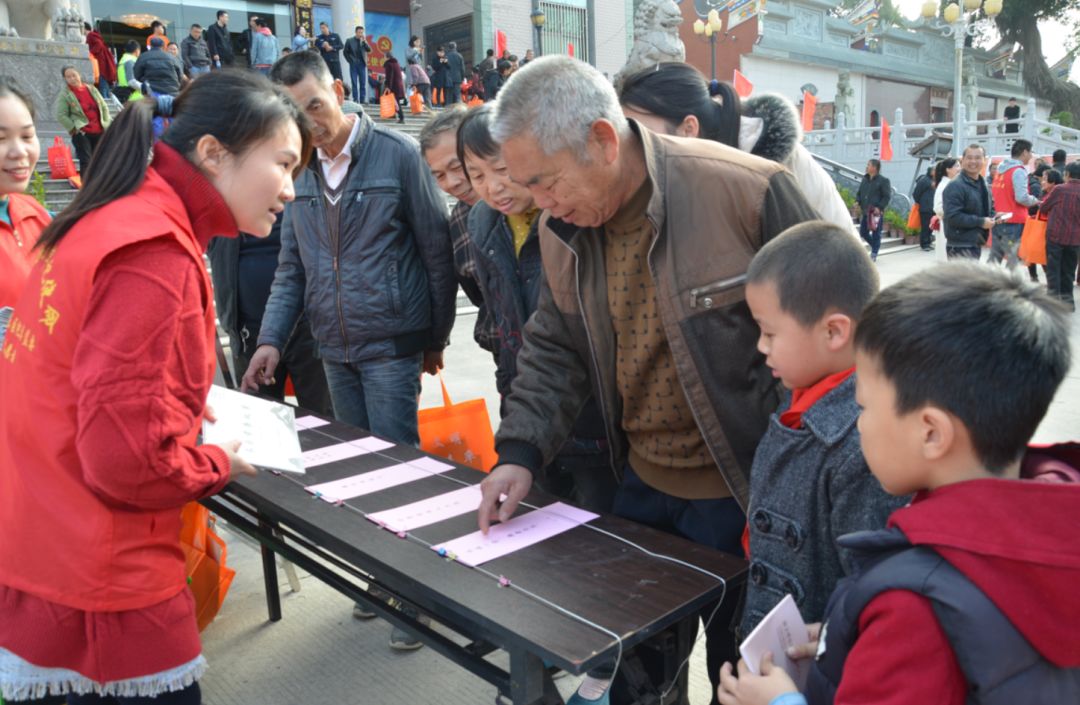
108, 362
21, 217
1011, 197
105, 60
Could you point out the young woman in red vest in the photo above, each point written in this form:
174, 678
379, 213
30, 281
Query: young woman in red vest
103, 383
21, 217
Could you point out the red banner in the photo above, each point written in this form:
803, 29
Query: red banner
809, 105
742, 85
886, 141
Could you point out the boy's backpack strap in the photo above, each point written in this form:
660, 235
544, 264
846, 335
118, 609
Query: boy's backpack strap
998, 663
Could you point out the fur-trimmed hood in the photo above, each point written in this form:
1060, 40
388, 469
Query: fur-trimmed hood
769, 127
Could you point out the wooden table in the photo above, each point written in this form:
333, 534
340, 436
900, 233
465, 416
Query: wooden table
595, 576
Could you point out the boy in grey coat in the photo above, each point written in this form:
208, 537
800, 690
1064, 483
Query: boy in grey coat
809, 483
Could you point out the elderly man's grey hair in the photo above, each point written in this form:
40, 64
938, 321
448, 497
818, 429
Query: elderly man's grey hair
556, 99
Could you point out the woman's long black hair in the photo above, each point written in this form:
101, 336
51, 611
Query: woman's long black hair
239, 108
941, 167
673, 90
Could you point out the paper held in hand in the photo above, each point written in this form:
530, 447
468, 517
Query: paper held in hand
780, 629
266, 430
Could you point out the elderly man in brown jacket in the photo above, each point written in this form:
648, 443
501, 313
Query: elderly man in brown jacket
646, 241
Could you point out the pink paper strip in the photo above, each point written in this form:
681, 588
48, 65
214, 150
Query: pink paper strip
303, 422
520, 532
429, 511
341, 451
377, 480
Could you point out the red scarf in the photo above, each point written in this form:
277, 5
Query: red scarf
803, 399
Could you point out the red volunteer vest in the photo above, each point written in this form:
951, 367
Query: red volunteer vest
58, 539
1005, 197
17, 242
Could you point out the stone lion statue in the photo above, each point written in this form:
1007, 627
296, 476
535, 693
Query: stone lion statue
656, 37
35, 19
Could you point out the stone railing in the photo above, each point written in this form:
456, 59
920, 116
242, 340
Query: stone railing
853, 146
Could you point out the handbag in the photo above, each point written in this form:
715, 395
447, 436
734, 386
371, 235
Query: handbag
61, 163
204, 561
387, 106
1033, 242
460, 432
914, 220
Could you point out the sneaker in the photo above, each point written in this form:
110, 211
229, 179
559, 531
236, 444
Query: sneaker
404, 640
360, 611
578, 699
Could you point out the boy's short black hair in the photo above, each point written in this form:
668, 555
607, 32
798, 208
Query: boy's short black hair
131, 47
1072, 170
1019, 147
976, 342
817, 267
1059, 155
474, 135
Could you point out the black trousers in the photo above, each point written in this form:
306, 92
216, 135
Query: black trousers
926, 235
1060, 271
717, 523
299, 360
85, 145
190, 695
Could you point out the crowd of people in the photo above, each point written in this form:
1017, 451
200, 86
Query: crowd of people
686, 333
976, 206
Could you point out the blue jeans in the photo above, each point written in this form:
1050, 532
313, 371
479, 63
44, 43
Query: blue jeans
1005, 244
358, 78
103, 88
378, 395
871, 236
198, 70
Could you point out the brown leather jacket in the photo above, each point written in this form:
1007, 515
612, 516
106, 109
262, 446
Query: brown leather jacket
712, 208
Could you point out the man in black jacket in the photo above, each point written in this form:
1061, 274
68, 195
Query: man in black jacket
356, 51
162, 72
365, 253
923, 195
873, 198
243, 269
1012, 113
969, 207
219, 41
247, 38
457, 73
329, 44
195, 53
495, 78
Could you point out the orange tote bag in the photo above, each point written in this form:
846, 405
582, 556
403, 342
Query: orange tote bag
459, 432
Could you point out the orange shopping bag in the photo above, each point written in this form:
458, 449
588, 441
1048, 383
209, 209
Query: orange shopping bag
387, 106
416, 103
459, 432
204, 554
914, 221
1033, 242
474, 101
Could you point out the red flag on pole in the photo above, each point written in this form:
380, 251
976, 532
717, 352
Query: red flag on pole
886, 141
500, 43
809, 105
570, 48
742, 85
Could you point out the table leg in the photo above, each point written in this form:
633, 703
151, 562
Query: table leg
685, 634
270, 581
530, 683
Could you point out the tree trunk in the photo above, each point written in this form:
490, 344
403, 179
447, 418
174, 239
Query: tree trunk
1064, 95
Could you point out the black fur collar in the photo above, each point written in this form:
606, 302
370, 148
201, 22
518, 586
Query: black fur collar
781, 130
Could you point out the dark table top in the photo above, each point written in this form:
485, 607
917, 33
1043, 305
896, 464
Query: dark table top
592, 575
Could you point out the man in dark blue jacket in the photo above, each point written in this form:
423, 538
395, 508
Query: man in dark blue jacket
366, 255
457, 73
873, 198
969, 207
